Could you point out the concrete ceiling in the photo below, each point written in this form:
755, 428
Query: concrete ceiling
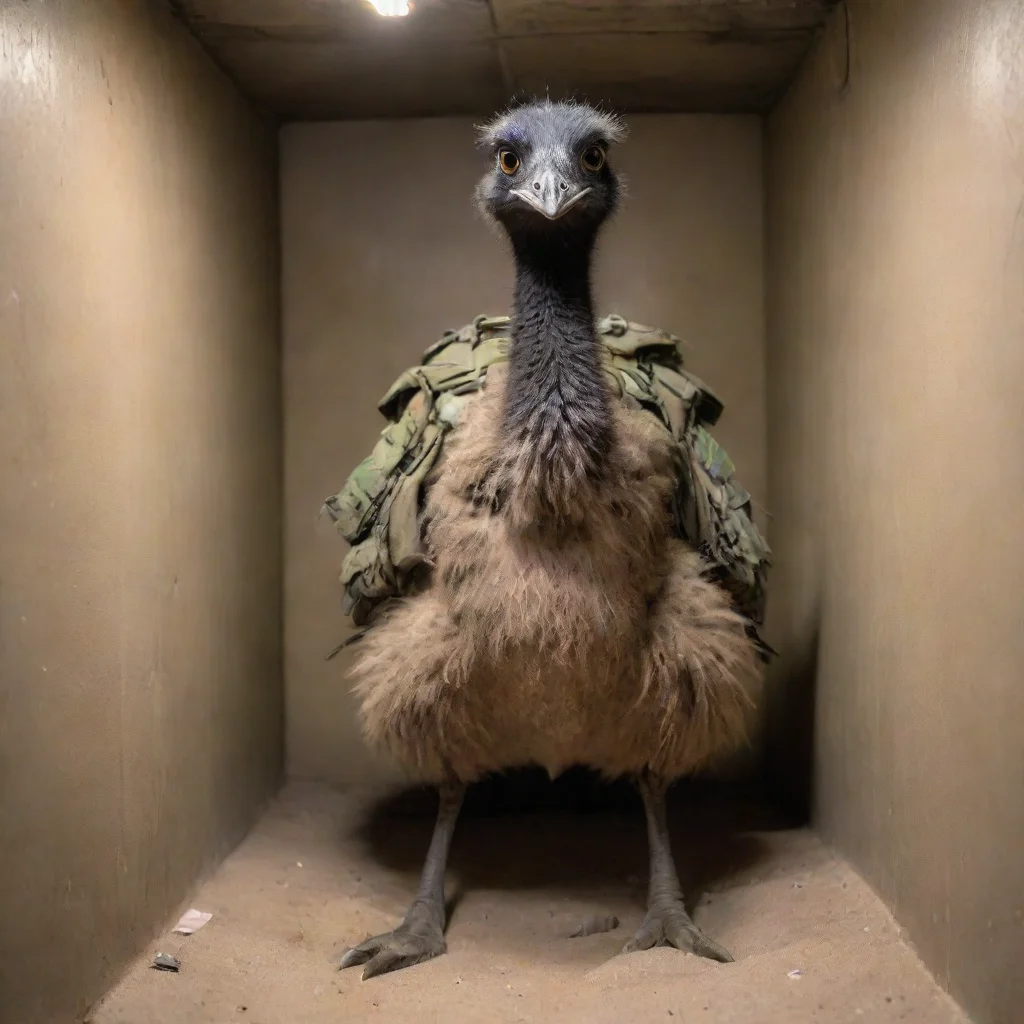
326, 59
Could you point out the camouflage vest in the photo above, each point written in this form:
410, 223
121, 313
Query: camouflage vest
377, 511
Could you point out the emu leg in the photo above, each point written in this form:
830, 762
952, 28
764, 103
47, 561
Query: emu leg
667, 923
421, 935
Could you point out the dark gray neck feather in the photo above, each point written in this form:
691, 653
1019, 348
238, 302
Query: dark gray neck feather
557, 402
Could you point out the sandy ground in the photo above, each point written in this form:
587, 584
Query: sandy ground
322, 871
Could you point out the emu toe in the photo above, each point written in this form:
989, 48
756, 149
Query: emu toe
668, 924
416, 939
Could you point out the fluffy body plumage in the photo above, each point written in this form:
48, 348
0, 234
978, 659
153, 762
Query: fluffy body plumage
564, 624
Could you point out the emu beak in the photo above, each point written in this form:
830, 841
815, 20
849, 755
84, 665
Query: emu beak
550, 194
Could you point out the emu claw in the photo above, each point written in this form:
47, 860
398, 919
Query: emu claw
409, 944
670, 925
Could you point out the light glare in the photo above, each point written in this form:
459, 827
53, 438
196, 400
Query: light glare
391, 8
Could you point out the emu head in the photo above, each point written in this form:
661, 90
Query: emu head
550, 174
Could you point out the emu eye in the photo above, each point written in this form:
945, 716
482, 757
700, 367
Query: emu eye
593, 159
508, 161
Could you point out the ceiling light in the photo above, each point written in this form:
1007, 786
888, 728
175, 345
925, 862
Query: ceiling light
391, 8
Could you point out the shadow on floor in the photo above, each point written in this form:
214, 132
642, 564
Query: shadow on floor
576, 834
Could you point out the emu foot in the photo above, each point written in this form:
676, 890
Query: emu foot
668, 924
419, 937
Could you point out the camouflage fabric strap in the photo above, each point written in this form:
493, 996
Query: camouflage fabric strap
377, 511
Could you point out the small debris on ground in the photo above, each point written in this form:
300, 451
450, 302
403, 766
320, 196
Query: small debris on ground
166, 962
191, 921
795, 973
595, 925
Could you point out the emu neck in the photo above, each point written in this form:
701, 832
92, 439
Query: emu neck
557, 408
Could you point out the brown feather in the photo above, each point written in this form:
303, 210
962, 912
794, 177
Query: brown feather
565, 622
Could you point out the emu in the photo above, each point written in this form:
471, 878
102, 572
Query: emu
565, 622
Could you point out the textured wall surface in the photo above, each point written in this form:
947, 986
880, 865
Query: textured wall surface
896, 368
383, 251
140, 690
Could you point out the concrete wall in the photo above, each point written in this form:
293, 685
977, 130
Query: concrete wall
140, 693
383, 251
896, 370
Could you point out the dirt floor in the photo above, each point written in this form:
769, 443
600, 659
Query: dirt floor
322, 871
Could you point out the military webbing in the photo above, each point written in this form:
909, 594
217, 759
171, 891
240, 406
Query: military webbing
377, 511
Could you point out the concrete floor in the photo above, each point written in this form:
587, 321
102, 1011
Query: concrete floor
321, 871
